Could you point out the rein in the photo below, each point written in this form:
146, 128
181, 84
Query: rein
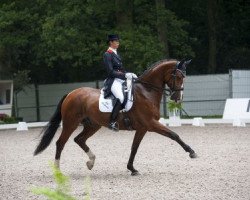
168, 91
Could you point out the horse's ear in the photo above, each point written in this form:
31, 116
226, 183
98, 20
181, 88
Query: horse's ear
180, 64
188, 62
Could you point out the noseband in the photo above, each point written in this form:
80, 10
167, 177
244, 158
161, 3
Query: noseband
173, 89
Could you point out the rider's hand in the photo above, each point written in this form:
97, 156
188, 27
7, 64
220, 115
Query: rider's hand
130, 75
134, 75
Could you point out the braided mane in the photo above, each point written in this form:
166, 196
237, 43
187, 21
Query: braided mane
152, 66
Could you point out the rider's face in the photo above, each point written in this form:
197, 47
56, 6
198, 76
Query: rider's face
114, 44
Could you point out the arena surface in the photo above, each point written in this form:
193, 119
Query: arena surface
222, 170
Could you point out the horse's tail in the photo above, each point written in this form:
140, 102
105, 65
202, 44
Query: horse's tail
50, 130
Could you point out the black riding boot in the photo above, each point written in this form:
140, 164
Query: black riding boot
113, 125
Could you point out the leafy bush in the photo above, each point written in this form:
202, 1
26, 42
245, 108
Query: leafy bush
60, 193
62, 190
3, 116
5, 119
172, 105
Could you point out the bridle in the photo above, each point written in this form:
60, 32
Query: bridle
173, 89
168, 91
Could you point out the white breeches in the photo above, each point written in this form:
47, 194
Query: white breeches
116, 89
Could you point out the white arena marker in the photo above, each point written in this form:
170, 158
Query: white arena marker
238, 122
174, 121
163, 121
197, 121
237, 109
22, 126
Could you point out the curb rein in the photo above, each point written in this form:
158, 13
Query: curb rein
168, 91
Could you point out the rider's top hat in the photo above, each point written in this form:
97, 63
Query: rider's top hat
112, 37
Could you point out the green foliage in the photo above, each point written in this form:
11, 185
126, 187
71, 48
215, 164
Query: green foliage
204, 117
21, 79
62, 189
145, 45
63, 41
178, 37
172, 105
5, 119
87, 184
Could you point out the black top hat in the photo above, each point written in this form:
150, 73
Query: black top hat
112, 37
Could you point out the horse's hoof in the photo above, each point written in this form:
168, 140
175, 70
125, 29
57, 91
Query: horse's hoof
135, 173
193, 155
90, 164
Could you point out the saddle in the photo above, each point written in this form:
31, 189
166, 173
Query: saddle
106, 101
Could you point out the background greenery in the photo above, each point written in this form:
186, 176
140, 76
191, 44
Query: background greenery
63, 189
63, 41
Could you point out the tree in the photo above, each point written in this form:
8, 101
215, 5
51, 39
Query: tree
63, 41
233, 35
172, 33
212, 18
162, 25
124, 14
19, 24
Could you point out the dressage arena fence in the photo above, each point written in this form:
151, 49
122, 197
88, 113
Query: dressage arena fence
204, 95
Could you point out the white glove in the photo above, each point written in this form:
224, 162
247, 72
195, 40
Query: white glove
134, 75
130, 75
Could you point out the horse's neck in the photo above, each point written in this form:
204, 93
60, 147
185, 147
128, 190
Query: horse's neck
153, 84
155, 76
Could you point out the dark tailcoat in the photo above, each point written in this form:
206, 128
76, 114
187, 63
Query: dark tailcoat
113, 64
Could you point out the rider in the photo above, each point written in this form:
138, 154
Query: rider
116, 76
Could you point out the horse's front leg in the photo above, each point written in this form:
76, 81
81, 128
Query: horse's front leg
139, 134
163, 130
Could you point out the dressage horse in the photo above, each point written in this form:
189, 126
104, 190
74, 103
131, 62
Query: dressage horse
81, 106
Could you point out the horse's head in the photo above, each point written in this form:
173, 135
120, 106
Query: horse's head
175, 80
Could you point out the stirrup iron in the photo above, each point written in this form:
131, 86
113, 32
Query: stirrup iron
114, 126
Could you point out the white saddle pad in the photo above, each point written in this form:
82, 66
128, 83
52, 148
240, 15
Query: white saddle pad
105, 105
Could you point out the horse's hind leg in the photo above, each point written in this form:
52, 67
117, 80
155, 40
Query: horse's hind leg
68, 129
87, 132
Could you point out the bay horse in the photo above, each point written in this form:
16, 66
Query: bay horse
82, 106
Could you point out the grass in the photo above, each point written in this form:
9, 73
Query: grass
62, 190
204, 117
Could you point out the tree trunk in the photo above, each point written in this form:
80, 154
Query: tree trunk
5, 63
1, 62
162, 26
212, 51
124, 13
